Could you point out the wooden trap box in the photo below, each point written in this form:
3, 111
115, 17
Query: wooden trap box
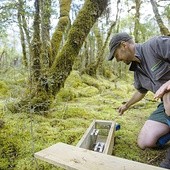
99, 137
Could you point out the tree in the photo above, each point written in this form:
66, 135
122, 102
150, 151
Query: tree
45, 88
22, 24
137, 20
45, 8
96, 66
163, 29
63, 22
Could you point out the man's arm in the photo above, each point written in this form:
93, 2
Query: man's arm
137, 96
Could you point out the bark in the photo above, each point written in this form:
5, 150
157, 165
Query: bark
36, 45
22, 37
45, 34
24, 24
163, 29
61, 27
137, 19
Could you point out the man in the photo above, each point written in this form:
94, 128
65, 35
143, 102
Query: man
150, 63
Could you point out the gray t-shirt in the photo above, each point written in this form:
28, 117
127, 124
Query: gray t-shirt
154, 69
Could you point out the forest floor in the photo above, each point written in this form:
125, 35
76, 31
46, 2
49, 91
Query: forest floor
82, 100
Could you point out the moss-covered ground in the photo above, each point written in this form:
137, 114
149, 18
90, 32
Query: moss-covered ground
82, 100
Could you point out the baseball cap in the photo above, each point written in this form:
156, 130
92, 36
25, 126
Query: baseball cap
115, 42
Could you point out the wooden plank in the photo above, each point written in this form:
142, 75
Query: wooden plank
75, 158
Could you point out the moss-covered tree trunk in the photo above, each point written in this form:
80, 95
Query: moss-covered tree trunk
64, 61
45, 35
163, 29
24, 31
61, 27
137, 20
36, 46
22, 37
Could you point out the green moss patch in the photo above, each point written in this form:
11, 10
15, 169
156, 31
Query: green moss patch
82, 100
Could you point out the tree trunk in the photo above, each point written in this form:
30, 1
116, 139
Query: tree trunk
45, 35
64, 61
36, 45
61, 27
22, 37
24, 23
94, 67
163, 29
137, 19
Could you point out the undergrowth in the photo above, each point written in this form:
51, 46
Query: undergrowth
82, 100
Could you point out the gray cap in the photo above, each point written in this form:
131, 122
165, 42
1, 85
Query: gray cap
115, 42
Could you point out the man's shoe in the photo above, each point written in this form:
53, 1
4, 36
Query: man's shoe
166, 162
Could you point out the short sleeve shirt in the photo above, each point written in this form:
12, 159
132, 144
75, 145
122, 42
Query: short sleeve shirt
154, 67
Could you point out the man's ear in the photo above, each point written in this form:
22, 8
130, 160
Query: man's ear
123, 44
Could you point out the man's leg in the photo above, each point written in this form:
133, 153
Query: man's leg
151, 132
166, 100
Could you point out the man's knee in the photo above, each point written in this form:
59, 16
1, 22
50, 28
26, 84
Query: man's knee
144, 143
141, 145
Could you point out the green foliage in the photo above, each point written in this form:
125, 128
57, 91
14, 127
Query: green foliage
167, 11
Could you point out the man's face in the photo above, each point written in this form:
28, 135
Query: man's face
125, 53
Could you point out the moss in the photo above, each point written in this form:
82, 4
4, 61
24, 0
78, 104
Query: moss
66, 94
2, 124
23, 134
88, 91
90, 81
74, 112
74, 80
9, 148
3, 88
71, 136
65, 7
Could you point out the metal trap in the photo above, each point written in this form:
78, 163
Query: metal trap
99, 137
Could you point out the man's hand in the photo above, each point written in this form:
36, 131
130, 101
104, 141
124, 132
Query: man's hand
162, 90
137, 96
122, 109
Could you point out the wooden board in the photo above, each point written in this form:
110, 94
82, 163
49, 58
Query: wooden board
75, 158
